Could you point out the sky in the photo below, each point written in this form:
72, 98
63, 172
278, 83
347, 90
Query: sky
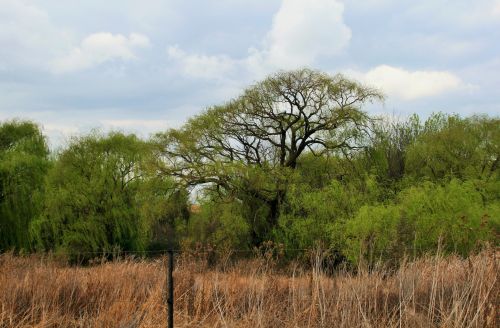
147, 66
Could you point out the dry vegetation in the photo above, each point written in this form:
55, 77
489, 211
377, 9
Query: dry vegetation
430, 292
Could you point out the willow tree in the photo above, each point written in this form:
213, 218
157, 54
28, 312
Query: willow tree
249, 147
23, 165
101, 197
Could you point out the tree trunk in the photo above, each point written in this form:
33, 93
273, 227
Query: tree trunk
274, 209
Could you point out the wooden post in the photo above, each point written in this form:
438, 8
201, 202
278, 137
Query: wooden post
170, 289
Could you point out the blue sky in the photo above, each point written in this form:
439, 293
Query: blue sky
144, 66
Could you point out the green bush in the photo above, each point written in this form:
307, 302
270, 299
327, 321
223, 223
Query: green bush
452, 217
315, 216
220, 226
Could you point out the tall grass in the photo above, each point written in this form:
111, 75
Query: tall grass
430, 292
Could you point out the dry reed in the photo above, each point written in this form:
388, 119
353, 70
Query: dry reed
430, 292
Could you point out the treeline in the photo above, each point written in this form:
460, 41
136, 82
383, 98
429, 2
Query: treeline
293, 163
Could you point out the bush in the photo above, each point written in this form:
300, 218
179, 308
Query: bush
220, 226
424, 218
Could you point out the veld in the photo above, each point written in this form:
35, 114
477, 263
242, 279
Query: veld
433, 291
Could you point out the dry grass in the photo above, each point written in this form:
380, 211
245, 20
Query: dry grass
431, 292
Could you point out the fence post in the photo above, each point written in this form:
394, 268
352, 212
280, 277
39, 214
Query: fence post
170, 290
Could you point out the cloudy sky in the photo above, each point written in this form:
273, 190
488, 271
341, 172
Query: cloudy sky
144, 66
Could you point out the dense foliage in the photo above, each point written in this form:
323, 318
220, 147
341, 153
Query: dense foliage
293, 160
23, 165
100, 196
248, 148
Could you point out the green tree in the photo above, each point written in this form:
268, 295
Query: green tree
101, 196
23, 164
451, 146
248, 148
387, 154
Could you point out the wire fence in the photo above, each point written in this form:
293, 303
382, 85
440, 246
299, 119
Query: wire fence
425, 249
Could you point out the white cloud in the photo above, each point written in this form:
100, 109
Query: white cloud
28, 38
98, 48
496, 9
304, 30
301, 32
410, 85
201, 66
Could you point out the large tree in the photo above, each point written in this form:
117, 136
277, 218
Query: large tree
101, 196
249, 146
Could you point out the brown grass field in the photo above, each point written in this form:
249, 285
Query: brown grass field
430, 292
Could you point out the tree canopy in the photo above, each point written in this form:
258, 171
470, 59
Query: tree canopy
293, 162
249, 145
101, 197
23, 164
